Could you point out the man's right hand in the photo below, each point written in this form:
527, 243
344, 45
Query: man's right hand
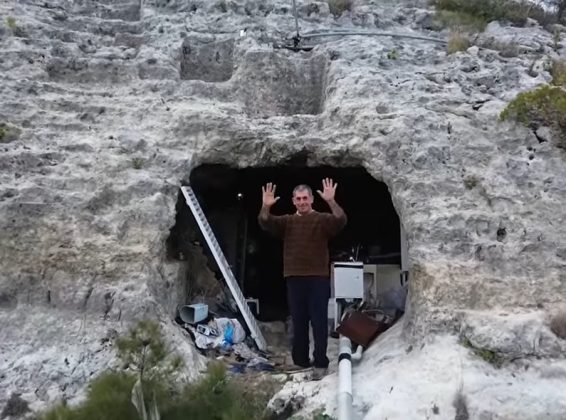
268, 192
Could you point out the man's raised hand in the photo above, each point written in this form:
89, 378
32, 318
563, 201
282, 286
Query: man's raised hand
328, 189
268, 193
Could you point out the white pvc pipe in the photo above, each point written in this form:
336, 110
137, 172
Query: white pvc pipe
344, 406
370, 33
357, 356
345, 358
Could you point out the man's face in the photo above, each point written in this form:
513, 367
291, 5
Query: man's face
303, 201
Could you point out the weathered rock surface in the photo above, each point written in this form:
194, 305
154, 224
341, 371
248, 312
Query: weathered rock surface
438, 379
115, 102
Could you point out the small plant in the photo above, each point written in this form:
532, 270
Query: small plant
514, 12
8, 133
392, 54
489, 356
337, 7
3, 132
144, 352
457, 42
137, 162
470, 182
531, 71
11, 22
545, 106
222, 6
560, 9
544, 16
13, 26
556, 38
559, 72
507, 49
320, 414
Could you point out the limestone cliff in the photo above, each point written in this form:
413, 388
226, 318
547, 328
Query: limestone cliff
110, 104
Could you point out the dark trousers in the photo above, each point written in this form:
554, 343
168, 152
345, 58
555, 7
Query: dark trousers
308, 301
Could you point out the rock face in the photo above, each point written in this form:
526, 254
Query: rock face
439, 379
114, 102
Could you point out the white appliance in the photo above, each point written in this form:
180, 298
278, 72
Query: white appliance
348, 280
347, 283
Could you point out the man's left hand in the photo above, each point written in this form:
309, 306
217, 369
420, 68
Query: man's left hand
329, 189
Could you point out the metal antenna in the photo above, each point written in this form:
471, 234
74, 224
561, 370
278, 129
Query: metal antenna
298, 36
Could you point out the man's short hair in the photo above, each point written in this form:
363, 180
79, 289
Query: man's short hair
302, 187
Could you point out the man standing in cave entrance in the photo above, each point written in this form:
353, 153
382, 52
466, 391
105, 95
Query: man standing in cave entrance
306, 265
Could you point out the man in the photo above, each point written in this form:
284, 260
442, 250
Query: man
306, 265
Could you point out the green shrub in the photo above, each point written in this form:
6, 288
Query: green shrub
60, 412
460, 21
542, 16
108, 398
111, 394
214, 397
457, 42
556, 38
337, 7
218, 397
559, 72
545, 106
144, 352
476, 14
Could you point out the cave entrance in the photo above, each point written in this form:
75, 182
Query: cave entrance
231, 200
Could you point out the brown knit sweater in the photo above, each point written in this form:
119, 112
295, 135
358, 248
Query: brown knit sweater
305, 241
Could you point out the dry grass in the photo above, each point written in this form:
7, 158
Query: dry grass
559, 72
476, 14
507, 49
460, 21
457, 42
337, 7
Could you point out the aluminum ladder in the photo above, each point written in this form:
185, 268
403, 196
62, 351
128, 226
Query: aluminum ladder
214, 246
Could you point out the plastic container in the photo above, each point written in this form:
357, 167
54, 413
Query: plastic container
192, 314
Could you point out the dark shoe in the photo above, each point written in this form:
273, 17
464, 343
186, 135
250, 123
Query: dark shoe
295, 369
319, 373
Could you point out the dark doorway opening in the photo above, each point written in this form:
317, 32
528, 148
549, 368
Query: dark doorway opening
231, 200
